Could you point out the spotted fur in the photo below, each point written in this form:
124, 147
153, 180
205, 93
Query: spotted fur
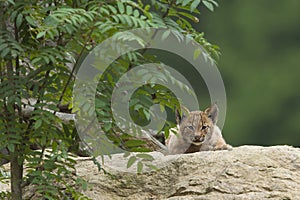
196, 131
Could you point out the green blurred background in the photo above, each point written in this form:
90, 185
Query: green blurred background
260, 65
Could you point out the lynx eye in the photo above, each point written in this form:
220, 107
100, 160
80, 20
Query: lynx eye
191, 127
204, 127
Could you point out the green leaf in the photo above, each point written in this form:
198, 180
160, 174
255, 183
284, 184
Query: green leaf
4, 52
12, 2
19, 20
131, 161
194, 5
153, 167
30, 20
165, 34
121, 7
209, 5
113, 9
147, 114
139, 167
140, 149
145, 156
3, 46
11, 147
38, 124
47, 196
36, 60
40, 34
136, 13
184, 2
128, 10
190, 16
214, 2
99, 103
126, 154
162, 107
197, 52
107, 127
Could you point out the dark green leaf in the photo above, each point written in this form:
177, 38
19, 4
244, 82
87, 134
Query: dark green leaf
38, 124
19, 20
11, 147
3, 46
4, 52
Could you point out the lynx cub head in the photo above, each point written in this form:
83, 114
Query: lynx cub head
196, 126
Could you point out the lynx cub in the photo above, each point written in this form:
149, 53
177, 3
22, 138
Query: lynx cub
197, 131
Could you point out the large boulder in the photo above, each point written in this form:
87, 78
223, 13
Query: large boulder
246, 172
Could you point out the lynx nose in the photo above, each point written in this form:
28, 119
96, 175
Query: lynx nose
199, 138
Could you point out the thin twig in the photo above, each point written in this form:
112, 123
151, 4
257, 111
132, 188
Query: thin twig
74, 67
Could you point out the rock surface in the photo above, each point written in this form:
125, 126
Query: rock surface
246, 172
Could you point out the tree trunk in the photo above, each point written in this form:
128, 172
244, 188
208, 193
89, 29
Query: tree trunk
16, 171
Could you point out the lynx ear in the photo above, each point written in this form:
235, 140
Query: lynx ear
212, 112
181, 115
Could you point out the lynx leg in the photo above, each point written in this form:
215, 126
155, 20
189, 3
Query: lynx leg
221, 145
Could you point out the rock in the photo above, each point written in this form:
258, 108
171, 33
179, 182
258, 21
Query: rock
246, 172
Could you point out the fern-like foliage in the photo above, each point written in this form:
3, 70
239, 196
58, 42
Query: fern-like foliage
41, 45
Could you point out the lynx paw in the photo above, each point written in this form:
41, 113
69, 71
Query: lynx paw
223, 147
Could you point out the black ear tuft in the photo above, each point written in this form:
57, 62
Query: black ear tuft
181, 115
213, 113
178, 116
